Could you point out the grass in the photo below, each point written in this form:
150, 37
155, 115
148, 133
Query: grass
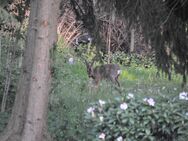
72, 93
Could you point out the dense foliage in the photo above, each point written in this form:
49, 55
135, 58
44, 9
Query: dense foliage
131, 118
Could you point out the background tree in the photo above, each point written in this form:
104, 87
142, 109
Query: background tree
28, 119
84, 11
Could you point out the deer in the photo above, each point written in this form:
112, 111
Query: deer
107, 71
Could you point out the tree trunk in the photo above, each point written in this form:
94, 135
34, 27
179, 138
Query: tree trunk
132, 40
8, 69
28, 119
0, 54
109, 42
111, 23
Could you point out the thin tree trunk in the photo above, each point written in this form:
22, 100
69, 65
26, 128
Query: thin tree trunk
132, 40
9, 64
28, 119
109, 42
20, 60
0, 55
7, 81
111, 23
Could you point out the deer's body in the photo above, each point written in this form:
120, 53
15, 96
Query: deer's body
108, 72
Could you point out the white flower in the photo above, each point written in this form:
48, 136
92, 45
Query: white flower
120, 138
90, 109
124, 106
102, 136
145, 99
175, 89
130, 96
183, 96
71, 61
101, 118
101, 102
186, 113
151, 101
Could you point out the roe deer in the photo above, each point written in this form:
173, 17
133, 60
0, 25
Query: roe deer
107, 71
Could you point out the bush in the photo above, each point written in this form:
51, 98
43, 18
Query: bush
133, 119
132, 59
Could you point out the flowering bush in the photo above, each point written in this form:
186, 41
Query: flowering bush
183, 96
133, 119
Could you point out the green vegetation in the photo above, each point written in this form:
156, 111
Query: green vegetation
135, 119
72, 93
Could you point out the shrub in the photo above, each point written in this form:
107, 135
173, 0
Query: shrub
133, 119
132, 59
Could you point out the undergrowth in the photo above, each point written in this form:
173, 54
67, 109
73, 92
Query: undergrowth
72, 92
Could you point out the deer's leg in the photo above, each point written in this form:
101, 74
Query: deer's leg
116, 79
96, 81
95, 84
117, 82
112, 79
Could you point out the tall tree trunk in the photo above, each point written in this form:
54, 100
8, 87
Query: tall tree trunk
28, 119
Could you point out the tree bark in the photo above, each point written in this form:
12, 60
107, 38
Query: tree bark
28, 118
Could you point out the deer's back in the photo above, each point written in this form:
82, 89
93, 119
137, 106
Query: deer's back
107, 71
